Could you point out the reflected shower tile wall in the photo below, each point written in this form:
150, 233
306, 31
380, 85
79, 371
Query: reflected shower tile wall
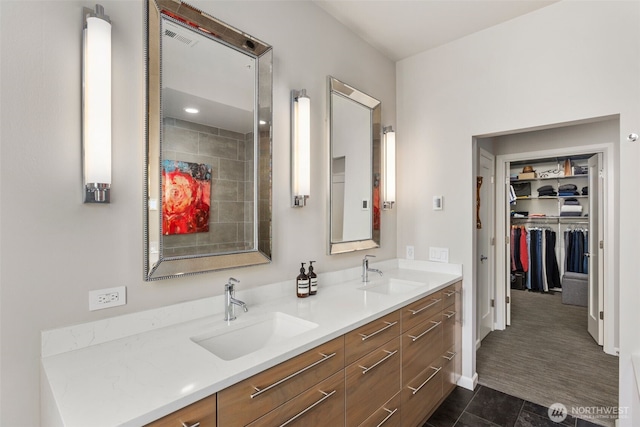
230, 155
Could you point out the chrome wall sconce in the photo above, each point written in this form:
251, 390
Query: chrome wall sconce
388, 168
96, 105
300, 147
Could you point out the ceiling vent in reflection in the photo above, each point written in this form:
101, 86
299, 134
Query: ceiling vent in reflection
178, 33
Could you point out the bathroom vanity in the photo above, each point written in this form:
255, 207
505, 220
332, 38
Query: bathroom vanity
382, 353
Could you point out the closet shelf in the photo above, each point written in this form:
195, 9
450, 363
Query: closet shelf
552, 219
550, 197
554, 178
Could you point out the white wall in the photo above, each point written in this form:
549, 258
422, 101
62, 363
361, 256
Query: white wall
565, 62
55, 249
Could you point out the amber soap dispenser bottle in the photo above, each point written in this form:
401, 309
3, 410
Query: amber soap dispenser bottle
313, 280
302, 283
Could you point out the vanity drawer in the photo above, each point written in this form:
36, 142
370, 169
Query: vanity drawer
421, 345
371, 381
421, 310
248, 400
449, 321
203, 412
450, 375
366, 338
322, 405
421, 395
388, 415
450, 294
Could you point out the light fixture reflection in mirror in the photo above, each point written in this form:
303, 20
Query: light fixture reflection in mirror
388, 168
300, 147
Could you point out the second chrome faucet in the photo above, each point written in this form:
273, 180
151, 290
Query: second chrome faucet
366, 269
230, 301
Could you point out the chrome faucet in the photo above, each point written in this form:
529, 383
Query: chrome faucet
230, 302
366, 269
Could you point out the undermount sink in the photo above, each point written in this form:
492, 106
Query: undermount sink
391, 286
246, 338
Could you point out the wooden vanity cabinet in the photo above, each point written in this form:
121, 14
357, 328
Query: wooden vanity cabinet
256, 396
421, 310
388, 415
366, 338
202, 413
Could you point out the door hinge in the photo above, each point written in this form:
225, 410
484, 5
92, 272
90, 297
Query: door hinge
506, 240
493, 303
508, 300
602, 315
601, 173
493, 241
601, 244
491, 179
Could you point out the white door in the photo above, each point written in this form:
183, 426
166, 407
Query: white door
485, 246
595, 254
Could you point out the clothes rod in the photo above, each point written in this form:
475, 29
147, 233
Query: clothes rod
553, 220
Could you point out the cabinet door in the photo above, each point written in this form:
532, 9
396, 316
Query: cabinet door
388, 415
202, 412
421, 310
371, 336
321, 406
247, 400
421, 395
420, 346
371, 381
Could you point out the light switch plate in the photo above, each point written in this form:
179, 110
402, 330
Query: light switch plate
438, 254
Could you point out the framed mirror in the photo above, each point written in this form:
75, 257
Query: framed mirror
355, 134
207, 198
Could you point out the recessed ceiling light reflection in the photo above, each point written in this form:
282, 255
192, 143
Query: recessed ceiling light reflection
191, 110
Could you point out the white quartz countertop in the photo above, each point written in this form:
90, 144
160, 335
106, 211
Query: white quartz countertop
135, 379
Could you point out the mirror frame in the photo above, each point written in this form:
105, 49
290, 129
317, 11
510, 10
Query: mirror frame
336, 87
217, 31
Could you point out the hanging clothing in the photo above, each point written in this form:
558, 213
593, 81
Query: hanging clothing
576, 245
544, 271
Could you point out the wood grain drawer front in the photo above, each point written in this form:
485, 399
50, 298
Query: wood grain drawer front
420, 346
388, 415
421, 310
321, 405
449, 322
420, 396
371, 381
371, 336
449, 374
202, 414
449, 295
248, 400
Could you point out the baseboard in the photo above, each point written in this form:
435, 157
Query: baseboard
469, 383
478, 344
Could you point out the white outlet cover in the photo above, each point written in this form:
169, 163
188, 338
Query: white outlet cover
112, 297
410, 252
437, 203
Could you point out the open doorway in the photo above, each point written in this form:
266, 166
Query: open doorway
547, 355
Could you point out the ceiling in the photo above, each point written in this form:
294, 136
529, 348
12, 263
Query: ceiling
402, 28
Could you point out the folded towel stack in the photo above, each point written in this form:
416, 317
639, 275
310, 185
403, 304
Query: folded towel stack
546, 190
571, 207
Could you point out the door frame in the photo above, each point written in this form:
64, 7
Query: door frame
490, 223
502, 248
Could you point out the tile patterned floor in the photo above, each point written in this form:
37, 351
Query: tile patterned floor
485, 407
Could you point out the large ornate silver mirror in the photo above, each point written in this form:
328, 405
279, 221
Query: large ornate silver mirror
208, 158
355, 144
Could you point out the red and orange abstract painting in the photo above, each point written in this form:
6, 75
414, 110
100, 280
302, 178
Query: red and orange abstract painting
186, 195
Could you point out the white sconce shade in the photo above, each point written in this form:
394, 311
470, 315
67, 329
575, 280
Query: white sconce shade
96, 106
300, 147
388, 168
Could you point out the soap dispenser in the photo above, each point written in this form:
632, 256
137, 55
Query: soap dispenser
313, 280
302, 283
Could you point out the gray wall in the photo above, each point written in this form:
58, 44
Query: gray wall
55, 249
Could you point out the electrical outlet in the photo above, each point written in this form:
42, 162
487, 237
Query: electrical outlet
107, 298
410, 252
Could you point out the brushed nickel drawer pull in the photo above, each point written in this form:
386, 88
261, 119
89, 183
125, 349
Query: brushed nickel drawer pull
259, 391
435, 325
322, 399
417, 389
389, 354
435, 301
450, 314
192, 425
388, 416
366, 337
449, 293
452, 355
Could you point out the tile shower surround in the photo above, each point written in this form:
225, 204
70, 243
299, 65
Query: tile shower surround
230, 155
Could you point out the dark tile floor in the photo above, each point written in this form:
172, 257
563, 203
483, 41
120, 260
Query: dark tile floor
485, 407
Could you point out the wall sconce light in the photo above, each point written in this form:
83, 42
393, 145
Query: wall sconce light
300, 147
96, 105
388, 168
